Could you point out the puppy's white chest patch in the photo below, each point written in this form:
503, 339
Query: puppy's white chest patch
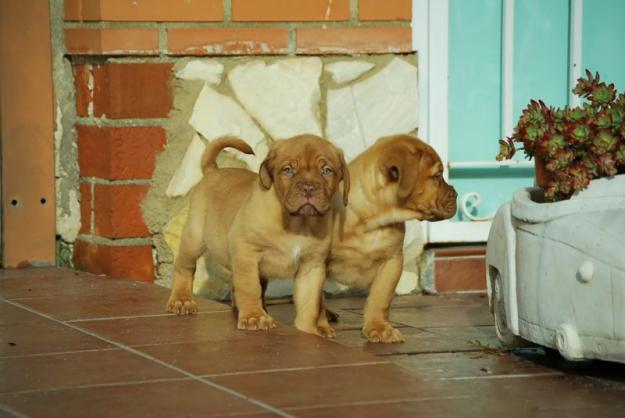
296, 252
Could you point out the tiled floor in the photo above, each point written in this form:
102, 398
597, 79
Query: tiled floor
72, 344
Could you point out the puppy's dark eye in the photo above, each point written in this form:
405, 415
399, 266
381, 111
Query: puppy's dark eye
326, 171
288, 170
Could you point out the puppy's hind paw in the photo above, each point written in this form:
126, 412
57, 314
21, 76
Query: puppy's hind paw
382, 332
181, 306
254, 322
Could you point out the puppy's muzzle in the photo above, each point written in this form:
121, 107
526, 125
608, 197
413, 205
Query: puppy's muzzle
308, 199
446, 205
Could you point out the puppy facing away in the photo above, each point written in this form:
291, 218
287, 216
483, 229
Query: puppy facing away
275, 224
397, 179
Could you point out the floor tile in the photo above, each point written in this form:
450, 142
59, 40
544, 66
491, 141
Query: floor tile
548, 396
443, 407
6, 414
330, 386
49, 372
63, 282
443, 316
11, 315
285, 314
111, 303
39, 273
170, 329
429, 340
412, 301
467, 364
164, 399
281, 349
44, 338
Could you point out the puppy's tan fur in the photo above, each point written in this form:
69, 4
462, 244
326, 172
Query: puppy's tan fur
276, 224
399, 178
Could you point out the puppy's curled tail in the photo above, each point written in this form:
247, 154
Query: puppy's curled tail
209, 159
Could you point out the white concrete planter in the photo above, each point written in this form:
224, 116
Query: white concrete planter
556, 271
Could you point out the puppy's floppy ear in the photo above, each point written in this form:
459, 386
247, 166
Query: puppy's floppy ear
265, 173
345, 177
401, 166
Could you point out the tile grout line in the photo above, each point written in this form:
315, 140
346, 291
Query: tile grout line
295, 369
504, 376
112, 318
98, 385
384, 401
11, 411
162, 363
58, 353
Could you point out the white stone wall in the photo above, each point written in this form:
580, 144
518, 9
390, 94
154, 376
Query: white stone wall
350, 101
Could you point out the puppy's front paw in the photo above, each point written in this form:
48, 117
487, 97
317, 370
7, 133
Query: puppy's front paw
255, 321
326, 331
380, 331
181, 305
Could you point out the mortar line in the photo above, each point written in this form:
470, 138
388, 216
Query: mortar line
107, 182
146, 356
163, 41
95, 121
292, 40
227, 10
119, 242
352, 22
91, 209
353, 11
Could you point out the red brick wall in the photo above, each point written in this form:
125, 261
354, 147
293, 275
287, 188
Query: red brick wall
121, 106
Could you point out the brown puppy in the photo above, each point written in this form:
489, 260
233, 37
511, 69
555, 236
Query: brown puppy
397, 179
276, 224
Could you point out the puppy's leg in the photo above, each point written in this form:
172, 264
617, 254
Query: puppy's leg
191, 248
246, 286
323, 323
381, 292
307, 294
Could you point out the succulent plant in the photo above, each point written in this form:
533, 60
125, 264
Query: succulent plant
576, 144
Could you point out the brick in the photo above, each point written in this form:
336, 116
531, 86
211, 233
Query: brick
385, 10
117, 210
111, 41
290, 10
460, 251
456, 274
84, 96
85, 208
353, 40
137, 90
119, 153
144, 10
133, 262
228, 41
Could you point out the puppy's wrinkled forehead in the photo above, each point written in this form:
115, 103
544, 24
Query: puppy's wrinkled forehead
430, 157
306, 150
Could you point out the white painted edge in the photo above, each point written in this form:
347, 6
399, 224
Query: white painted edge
507, 69
575, 47
438, 75
420, 43
457, 231
490, 164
